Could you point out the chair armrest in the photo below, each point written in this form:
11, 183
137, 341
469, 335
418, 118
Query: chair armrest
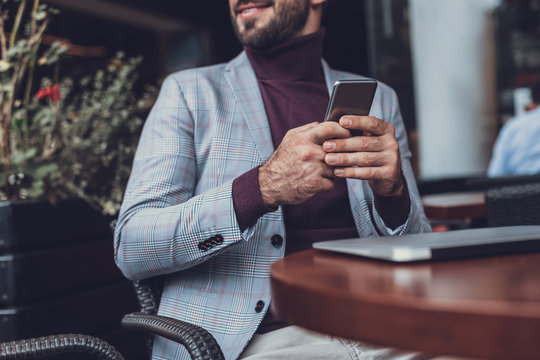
200, 344
486, 183
58, 345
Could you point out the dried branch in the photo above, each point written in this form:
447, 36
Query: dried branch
50, 147
17, 23
3, 40
34, 20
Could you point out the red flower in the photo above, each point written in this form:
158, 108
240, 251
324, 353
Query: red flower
55, 93
51, 92
42, 93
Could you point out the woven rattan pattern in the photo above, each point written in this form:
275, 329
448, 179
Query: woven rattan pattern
148, 294
513, 205
58, 345
200, 344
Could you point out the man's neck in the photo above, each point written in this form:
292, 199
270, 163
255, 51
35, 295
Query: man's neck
295, 59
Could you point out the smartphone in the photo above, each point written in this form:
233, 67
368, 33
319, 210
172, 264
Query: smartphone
351, 97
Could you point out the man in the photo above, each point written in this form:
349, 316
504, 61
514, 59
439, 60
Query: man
234, 169
517, 149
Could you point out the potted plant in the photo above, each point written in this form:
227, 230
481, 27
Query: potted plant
70, 138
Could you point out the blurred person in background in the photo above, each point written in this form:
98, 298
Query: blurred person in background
517, 148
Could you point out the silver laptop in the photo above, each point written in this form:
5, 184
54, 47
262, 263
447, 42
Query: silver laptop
441, 245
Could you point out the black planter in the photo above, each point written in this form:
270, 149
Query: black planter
57, 274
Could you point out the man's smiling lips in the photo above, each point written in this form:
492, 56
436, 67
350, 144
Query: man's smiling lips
251, 9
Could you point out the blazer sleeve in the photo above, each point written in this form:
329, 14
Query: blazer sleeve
164, 225
416, 221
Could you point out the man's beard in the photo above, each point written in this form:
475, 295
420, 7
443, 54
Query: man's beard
287, 22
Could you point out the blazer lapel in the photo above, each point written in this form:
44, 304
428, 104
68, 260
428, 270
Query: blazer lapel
243, 83
330, 76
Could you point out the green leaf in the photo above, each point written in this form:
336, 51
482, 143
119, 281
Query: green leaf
53, 53
36, 189
40, 15
4, 65
18, 158
49, 170
20, 114
43, 117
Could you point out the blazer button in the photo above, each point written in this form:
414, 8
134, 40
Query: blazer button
202, 246
218, 239
260, 306
277, 241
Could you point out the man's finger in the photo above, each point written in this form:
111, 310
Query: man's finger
356, 143
327, 130
370, 124
359, 159
364, 173
302, 128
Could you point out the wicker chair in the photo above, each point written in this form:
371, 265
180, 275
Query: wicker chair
56, 345
513, 204
200, 344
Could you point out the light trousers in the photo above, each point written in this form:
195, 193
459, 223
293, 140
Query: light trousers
293, 342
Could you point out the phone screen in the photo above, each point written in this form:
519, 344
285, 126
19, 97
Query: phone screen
351, 97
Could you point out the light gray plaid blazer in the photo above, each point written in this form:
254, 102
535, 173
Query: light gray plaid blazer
207, 127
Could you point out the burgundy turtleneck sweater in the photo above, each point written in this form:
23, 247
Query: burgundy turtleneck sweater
294, 92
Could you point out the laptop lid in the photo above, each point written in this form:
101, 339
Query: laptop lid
441, 245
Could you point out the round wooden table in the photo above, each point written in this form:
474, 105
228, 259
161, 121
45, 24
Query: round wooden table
484, 308
455, 206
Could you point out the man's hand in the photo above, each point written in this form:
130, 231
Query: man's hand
297, 170
374, 156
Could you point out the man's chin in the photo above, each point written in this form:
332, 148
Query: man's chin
248, 25
250, 35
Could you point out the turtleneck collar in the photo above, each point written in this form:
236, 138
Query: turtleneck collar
295, 59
